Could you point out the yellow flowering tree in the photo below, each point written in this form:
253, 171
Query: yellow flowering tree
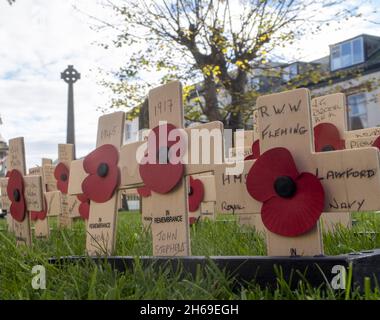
213, 46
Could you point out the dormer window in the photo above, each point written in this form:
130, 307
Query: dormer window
290, 72
347, 54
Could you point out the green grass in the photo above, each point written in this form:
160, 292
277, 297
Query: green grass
88, 281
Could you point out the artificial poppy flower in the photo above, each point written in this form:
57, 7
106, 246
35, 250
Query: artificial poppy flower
84, 207
255, 151
61, 174
376, 143
163, 169
292, 201
193, 220
39, 215
196, 194
15, 191
327, 138
144, 192
104, 174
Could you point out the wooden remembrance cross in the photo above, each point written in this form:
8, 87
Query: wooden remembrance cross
362, 138
52, 199
23, 194
348, 177
169, 207
328, 112
41, 222
69, 203
101, 224
166, 184
252, 219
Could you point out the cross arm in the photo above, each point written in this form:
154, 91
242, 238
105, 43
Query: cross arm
33, 193
350, 178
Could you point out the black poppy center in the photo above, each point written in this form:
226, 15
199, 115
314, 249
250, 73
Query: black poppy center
190, 191
285, 186
63, 177
163, 155
103, 170
17, 195
328, 147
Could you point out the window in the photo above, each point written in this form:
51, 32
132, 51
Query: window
128, 131
357, 108
347, 54
254, 82
290, 72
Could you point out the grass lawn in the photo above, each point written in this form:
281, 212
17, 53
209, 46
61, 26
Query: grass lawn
87, 281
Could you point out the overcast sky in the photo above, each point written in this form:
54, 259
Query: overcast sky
39, 38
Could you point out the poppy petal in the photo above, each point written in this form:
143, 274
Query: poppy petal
106, 153
193, 220
61, 174
158, 176
165, 130
144, 192
84, 210
82, 197
376, 143
327, 138
43, 214
256, 149
15, 191
266, 169
34, 215
291, 217
18, 210
161, 178
196, 194
101, 189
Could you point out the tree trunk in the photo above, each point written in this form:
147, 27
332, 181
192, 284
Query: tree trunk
211, 108
237, 90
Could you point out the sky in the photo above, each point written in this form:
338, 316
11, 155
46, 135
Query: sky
39, 38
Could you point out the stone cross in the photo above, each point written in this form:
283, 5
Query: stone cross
70, 76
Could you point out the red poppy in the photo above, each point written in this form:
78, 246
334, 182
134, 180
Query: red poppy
144, 192
376, 143
196, 194
193, 220
84, 207
15, 190
104, 174
162, 174
255, 151
61, 174
292, 201
41, 215
327, 138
